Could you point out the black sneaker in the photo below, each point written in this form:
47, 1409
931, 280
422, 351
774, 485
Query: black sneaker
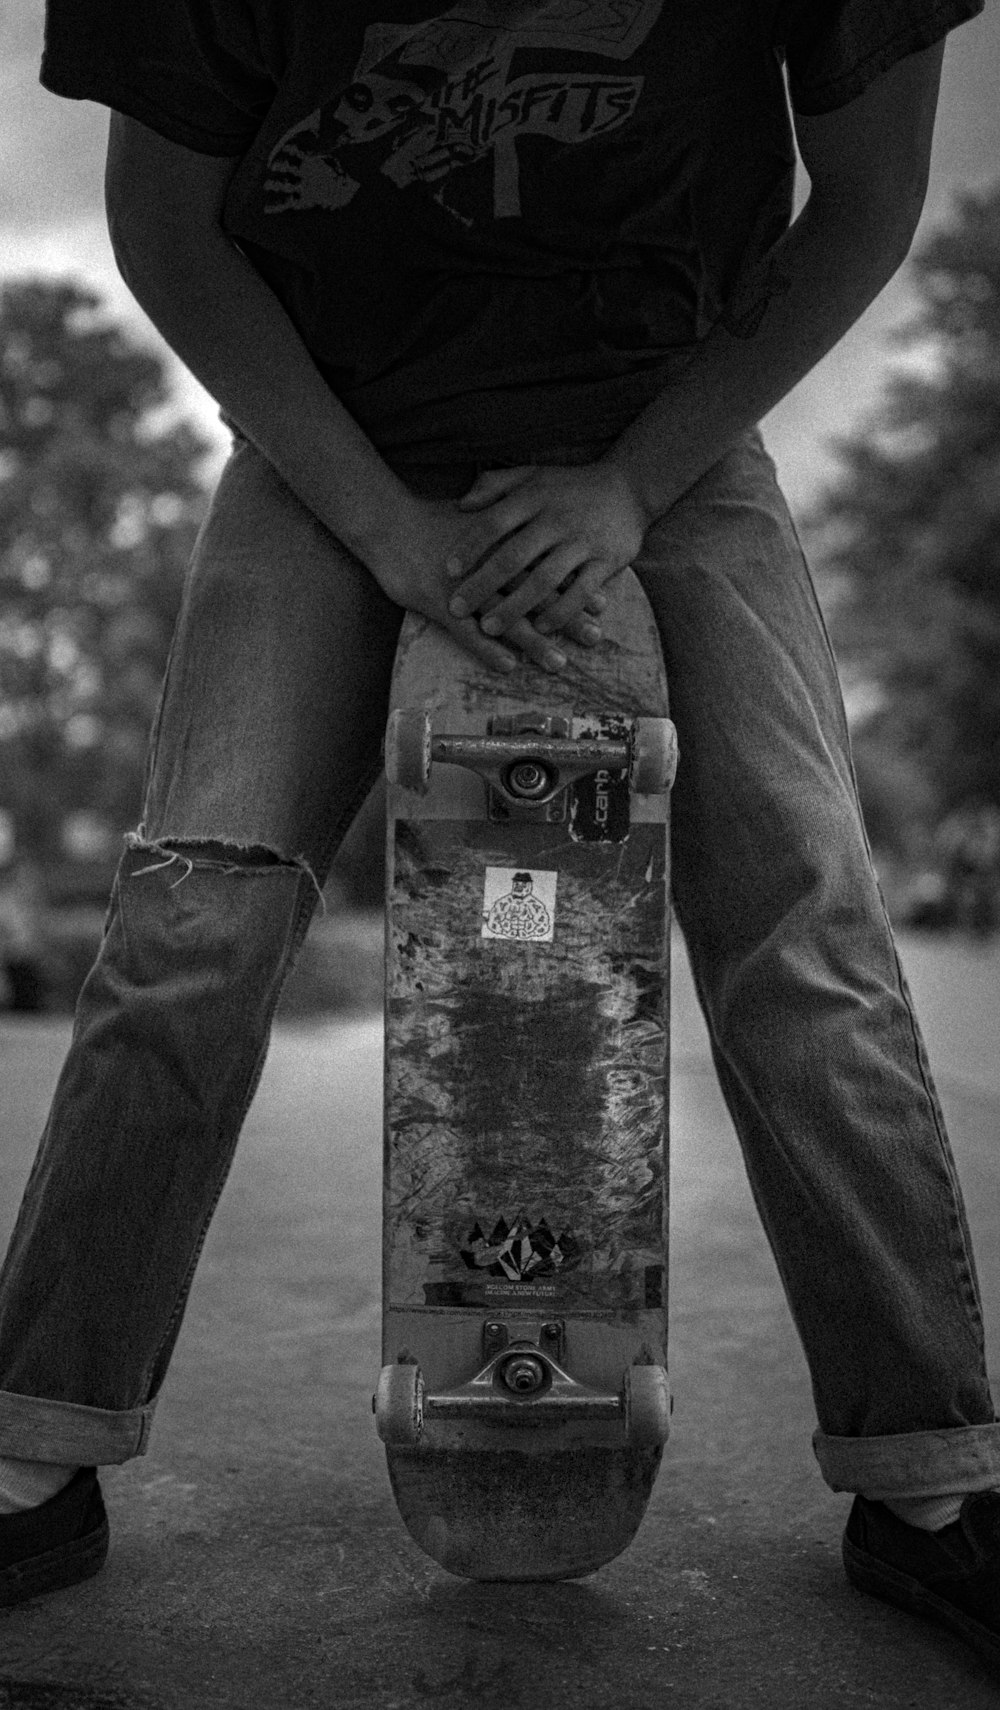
951, 1576
55, 1544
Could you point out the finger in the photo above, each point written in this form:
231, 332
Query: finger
536, 590
538, 648
483, 547
542, 652
493, 484
582, 630
490, 653
507, 566
580, 598
594, 606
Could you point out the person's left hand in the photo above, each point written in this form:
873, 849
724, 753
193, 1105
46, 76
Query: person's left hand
547, 539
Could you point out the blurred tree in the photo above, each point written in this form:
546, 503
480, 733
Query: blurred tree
907, 544
98, 515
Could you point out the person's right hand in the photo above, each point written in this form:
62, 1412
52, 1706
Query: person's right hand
409, 564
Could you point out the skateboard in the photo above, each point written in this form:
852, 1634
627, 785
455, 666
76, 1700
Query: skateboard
523, 1399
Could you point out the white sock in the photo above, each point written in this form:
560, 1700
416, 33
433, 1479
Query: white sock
930, 1513
26, 1484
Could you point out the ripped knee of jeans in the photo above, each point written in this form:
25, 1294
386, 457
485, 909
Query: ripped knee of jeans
217, 854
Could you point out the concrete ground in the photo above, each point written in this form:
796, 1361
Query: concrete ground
257, 1561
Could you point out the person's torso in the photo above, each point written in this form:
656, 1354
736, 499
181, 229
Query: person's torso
531, 191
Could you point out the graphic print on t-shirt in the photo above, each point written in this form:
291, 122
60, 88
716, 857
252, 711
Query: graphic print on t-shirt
429, 101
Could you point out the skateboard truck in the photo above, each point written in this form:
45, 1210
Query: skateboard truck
528, 761
521, 1385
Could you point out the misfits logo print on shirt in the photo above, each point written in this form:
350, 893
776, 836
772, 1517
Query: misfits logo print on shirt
435, 105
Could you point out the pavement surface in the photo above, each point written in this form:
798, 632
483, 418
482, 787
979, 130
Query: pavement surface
257, 1560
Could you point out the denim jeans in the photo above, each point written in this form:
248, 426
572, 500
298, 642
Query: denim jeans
266, 742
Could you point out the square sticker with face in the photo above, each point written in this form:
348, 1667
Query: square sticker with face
519, 904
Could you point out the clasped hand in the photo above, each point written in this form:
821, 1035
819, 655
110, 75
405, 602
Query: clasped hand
544, 542
519, 560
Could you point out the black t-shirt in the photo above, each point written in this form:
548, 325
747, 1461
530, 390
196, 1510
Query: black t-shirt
501, 223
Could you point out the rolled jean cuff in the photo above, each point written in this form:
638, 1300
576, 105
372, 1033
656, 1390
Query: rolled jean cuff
913, 1463
33, 1429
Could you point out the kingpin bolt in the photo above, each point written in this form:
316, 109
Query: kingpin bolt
523, 1373
529, 779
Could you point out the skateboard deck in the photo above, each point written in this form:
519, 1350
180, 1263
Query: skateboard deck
523, 1399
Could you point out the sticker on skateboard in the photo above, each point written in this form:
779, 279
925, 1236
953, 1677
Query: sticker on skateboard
519, 905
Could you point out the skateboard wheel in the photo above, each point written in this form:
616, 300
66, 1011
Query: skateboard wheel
399, 1405
654, 756
408, 748
647, 1406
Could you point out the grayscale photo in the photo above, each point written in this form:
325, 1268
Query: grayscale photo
499, 854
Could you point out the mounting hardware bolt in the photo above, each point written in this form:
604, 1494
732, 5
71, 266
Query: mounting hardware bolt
552, 1338
495, 1338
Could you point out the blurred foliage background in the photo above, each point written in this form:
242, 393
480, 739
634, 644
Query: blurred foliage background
97, 522
906, 546
100, 506
99, 510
